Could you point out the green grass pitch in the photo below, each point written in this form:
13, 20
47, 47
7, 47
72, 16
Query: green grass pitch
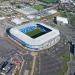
34, 32
50, 1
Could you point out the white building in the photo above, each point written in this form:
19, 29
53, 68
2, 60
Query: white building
27, 10
62, 20
52, 11
65, 1
2, 18
26, 1
19, 20
31, 17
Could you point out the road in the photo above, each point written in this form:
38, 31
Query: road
23, 68
68, 32
27, 64
33, 65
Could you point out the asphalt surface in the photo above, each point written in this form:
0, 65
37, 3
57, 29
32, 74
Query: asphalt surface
6, 49
26, 66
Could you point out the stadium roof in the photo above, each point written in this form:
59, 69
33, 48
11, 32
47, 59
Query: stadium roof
37, 41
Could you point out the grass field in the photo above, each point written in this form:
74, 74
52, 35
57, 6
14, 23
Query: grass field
35, 33
38, 7
50, 1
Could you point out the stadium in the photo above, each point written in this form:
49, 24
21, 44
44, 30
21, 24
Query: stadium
34, 36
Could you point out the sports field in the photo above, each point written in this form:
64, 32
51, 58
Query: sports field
50, 1
35, 33
38, 7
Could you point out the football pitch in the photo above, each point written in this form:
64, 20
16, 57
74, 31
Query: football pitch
50, 1
35, 33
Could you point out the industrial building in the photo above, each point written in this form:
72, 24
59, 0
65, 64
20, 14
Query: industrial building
26, 1
26, 10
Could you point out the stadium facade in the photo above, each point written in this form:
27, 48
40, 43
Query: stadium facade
34, 36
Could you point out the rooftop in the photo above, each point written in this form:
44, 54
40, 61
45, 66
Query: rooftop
27, 10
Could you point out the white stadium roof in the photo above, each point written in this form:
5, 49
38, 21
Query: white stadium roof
37, 41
